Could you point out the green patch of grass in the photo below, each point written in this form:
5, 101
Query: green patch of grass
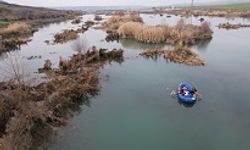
3, 22
244, 6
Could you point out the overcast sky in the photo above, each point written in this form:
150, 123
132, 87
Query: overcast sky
54, 3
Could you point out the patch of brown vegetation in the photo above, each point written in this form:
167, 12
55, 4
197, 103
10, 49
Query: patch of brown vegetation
15, 35
76, 21
65, 36
30, 113
184, 55
118, 19
112, 36
181, 54
186, 33
71, 34
98, 18
89, 23
233, 26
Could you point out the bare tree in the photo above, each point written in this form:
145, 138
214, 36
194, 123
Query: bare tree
13, 68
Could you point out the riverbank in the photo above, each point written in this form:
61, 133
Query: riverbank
29, 114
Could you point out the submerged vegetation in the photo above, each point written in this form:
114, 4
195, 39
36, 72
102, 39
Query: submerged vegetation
29, 114
181, 54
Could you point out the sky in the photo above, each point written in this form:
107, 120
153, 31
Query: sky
59, 3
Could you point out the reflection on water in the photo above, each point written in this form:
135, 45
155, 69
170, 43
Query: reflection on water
132, 44
203, 45
186, 105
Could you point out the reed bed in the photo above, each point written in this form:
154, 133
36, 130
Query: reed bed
187, 33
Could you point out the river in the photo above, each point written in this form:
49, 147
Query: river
135, 110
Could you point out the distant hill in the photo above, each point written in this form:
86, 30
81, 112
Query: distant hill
40, 15
3, 2
99, 8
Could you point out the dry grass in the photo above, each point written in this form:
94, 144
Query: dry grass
160, 34
130, 29
16, 28
117, 20
181, 54
150, 34
138, 31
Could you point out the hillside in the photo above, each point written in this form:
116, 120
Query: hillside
36, 15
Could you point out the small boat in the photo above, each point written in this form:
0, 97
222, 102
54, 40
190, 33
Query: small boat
186, 98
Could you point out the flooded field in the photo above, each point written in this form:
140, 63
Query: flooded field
135, 110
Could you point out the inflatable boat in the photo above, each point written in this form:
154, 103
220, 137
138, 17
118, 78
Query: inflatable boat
186, 97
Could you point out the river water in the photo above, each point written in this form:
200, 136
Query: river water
135, 110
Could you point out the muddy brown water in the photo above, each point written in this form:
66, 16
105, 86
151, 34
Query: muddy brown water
134, 109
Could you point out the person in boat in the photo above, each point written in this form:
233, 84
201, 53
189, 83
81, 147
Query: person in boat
182, 90
195, 92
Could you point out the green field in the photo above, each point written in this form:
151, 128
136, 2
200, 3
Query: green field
244, 6
228, 6
3, 22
